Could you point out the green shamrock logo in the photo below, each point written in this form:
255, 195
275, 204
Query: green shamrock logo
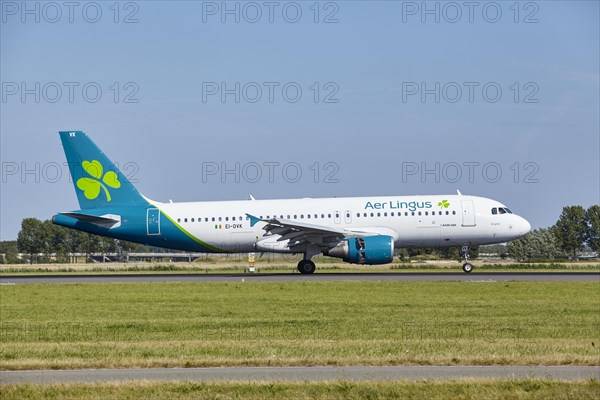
444, 204
90, 186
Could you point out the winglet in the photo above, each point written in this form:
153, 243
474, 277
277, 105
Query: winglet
253, 220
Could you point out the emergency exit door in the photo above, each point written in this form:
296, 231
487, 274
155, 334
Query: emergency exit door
153, 221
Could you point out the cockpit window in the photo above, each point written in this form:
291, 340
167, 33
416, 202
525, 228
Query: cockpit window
507, 210
494, 211
501, 210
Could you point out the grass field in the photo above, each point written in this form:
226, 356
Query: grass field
299, 323
433, 390
287, 264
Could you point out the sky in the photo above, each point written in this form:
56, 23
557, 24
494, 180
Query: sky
223, 100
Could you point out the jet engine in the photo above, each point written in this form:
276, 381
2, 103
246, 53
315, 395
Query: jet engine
365, 250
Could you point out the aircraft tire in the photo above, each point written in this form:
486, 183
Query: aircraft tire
306, 267
467, 267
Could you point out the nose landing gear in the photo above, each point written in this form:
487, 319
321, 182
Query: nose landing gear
464, 253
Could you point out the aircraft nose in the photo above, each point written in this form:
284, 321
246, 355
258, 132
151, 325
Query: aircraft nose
524, 226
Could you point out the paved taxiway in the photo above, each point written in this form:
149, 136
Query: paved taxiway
301, 373
288, 277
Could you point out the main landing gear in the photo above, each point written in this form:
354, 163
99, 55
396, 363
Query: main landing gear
464, 253
306, 266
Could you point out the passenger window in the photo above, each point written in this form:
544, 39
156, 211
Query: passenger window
412, 213
328, 215
426, 213
379, 214
213, 219
406, 213
419, 213
226, 218
178, 219
185, 220
453, 212
220, 219
392, 213
385, 214
192, 219
301, 216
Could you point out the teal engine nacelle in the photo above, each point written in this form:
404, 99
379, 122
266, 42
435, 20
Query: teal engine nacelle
365, 250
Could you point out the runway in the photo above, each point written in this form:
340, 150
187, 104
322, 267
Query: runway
301, 373
317, 277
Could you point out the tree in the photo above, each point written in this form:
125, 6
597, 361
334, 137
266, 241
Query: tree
592, 218
31, 239
539, 243
89, 245
571, 229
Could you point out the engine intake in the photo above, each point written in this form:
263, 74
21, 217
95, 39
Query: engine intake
365, 250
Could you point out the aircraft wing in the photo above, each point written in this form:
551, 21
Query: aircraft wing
301, 234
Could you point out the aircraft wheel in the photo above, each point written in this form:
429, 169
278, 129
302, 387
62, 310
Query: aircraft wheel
306, 267
467, 267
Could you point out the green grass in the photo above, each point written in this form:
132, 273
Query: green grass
435, 390
299, 323
286, 266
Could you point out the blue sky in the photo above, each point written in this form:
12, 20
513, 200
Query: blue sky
386, 92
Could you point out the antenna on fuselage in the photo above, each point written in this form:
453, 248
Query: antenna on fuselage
458, 192
252, 198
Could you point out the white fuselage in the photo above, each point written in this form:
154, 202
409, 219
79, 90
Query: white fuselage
413, 221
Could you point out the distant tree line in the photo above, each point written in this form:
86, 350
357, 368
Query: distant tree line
42, 239
575, 229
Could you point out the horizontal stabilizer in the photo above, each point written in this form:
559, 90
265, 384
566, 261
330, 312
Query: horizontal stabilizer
108, 221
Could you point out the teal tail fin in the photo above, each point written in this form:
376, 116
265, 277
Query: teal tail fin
98, 182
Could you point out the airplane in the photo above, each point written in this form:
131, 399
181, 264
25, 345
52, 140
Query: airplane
358, 230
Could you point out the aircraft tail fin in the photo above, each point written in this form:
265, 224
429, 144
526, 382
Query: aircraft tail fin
97, 180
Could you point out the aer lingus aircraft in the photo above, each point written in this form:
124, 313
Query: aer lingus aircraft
359, 230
